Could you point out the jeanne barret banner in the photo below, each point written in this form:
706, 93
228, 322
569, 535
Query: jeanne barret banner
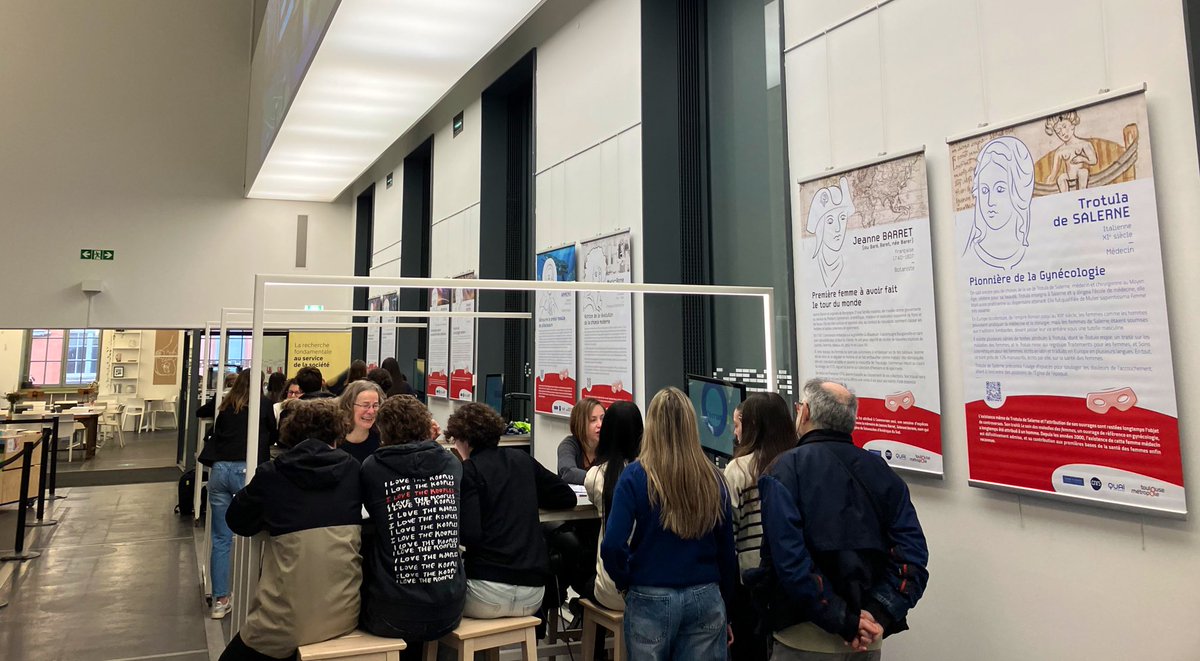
865, 303
1069, 386
373, 359
606, 338
437, 382
387, 334
554, 387
462, 344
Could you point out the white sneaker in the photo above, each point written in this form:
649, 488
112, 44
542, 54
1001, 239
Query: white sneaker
220, 609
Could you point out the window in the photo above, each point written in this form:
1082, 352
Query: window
239, 350
60, 357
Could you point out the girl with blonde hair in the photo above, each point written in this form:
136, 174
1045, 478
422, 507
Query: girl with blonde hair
668, 541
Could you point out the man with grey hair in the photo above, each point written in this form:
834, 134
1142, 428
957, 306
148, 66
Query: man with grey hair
844, 558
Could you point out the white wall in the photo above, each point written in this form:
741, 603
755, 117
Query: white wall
12, 347
1013, 577
589, 154
125, 128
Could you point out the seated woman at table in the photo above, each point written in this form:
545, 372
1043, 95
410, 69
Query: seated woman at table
577, 452
413, 581
620, 441
503, 488
360, 402
309, 501
573, 543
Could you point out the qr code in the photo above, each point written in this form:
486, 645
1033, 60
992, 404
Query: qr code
993, 391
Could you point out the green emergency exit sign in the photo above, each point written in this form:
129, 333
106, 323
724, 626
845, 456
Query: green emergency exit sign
96, 253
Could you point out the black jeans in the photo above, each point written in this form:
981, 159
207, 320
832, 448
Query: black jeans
749, 643
240, 651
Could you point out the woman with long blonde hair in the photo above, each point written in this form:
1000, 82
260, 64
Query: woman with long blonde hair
668, 541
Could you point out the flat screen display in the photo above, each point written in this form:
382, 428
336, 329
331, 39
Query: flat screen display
493, 392
715, 401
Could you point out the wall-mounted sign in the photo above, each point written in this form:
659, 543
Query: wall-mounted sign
97, 254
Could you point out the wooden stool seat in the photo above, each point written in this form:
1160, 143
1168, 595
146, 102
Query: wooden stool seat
355, 646
595, 615
473, 635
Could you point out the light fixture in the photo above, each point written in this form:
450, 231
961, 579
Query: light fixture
381, 66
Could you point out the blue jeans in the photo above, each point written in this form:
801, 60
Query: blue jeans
675, 623
226, 479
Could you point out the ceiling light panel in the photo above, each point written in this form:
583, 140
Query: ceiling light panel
381, 66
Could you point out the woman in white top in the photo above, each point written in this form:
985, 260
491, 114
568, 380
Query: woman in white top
764, 430
620, 441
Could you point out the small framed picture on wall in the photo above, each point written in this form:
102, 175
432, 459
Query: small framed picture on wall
118, 371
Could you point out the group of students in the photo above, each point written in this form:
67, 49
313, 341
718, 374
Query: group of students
682, 549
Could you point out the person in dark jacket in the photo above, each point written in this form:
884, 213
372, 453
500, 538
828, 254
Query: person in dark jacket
309, 501
312, 384
413, 581
400, 384
506, 561
381, 378
844, 557
225, 451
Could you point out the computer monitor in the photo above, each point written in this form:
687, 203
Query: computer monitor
493, 392
715, 401
418, 374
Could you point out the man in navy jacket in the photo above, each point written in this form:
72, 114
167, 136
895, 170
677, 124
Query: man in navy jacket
844, 552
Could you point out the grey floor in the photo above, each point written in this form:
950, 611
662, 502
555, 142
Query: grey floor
117, 579
144, 450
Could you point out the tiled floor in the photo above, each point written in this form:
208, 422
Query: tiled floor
116, 580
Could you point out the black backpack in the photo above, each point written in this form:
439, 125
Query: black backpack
187, 486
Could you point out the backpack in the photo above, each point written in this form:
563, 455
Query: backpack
187, 486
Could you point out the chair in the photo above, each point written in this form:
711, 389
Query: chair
594, 615
489, 636
354, 646
168, 408
134, 408
111, 420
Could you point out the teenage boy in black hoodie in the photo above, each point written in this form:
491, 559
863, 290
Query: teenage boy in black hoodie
308, 499
506, 561
413, 581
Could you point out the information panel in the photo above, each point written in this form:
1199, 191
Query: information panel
1069, 385
606, 338
387, 334
462, 344
372, 356
437, 381
328, 352
554, 387
865, 303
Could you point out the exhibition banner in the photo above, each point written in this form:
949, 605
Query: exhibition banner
606, 336
864, 300
372, 357
1068, 378
462, 344
328, 352
554, 341
387, 334
275, 353
437, 382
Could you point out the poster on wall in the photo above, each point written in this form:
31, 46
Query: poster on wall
437, 382
462, 343
328, 352
864, 301
166, 358
1068, 377
387, 334
554, 339
274, 354
372, 354
606, 319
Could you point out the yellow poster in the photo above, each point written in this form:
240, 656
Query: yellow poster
328, 352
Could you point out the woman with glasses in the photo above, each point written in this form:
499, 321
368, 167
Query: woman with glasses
360, 402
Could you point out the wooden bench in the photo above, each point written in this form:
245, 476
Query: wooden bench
595, 615
355, 646
489, 636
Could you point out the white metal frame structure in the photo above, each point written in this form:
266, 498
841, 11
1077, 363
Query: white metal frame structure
246, 556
